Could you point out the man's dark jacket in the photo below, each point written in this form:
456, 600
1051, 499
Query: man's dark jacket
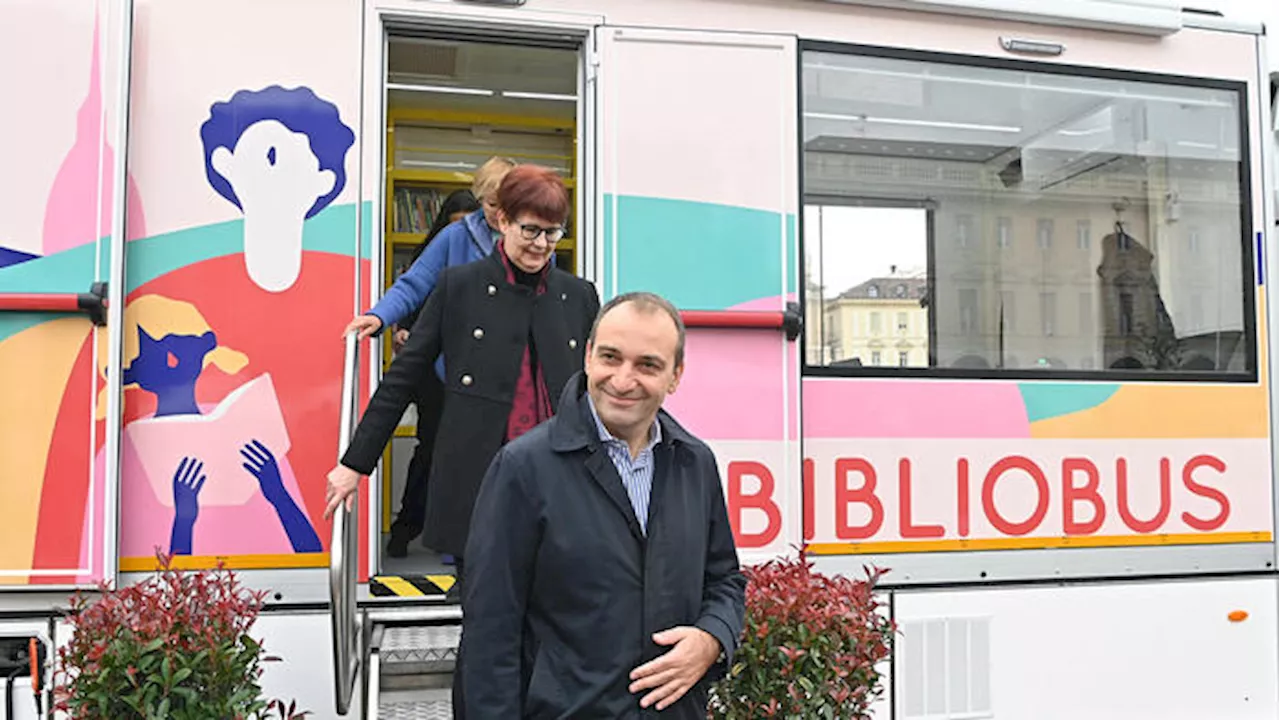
564, 593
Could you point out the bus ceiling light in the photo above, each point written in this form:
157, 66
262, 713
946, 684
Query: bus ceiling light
440, 89
463, 166
539, 96
482, 92
915, 123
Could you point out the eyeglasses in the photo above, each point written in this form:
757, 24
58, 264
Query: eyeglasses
532, 232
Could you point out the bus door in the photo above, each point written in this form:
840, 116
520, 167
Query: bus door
697, 199
65, 201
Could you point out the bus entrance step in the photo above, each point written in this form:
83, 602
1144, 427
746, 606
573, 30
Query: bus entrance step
417, 705
416, 644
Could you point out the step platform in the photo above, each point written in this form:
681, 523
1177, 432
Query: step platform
416, 667
430, 704
419, 644
406, 585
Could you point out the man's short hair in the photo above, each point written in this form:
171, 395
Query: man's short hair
645, 302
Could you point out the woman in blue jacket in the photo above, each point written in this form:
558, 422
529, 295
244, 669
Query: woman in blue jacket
467, 240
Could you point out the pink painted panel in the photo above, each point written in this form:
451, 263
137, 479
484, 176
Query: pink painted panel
733, 385
878, 408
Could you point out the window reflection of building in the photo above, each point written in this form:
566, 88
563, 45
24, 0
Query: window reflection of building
880, 321
1026, 179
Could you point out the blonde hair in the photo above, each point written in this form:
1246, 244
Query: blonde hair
159, 316
489, 176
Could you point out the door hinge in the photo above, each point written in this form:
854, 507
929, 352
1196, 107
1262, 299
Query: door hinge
591, 55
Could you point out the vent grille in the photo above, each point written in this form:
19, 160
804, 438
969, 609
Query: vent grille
946, 669
422, 60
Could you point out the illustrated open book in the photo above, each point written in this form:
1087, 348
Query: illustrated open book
250, 412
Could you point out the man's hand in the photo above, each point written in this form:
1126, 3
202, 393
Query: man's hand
399, 339
679, 669
342, 486
365, 324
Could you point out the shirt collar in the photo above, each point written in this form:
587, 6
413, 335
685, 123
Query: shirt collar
655, 430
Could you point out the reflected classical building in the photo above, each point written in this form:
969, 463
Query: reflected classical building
882, 321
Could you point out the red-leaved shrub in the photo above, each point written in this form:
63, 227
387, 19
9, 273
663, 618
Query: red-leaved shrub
810, 646
174, 646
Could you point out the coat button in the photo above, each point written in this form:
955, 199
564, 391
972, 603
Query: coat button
493, 290
478, 333
572, 343
466, 380
564, 296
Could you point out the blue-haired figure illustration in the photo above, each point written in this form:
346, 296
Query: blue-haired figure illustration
168, 366
280, 156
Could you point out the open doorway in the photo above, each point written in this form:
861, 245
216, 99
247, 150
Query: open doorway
452, 104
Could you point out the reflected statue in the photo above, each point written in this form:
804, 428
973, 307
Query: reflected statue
1138, 332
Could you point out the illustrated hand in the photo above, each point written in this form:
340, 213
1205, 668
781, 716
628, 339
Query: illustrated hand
677, 671
188, 479
399, 339
262, 465
366, 325
342, 486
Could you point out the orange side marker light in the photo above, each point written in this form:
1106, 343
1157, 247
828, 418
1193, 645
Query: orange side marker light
1236, 616
33, 656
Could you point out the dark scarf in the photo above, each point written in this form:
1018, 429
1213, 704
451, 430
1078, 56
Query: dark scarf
530, 404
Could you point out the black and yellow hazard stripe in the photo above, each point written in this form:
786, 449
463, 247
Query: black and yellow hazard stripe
410, 585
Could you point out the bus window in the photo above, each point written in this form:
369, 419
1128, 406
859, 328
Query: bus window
1030, 221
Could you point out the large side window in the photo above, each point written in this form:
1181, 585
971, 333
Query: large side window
1016, 220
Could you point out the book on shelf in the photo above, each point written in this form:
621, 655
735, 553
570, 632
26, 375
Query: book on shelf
416, 208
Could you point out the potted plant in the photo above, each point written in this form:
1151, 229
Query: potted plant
175, 646
810, 646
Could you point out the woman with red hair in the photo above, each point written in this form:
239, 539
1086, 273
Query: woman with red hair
512, 330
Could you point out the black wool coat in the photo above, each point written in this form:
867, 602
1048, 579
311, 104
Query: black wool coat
481, 323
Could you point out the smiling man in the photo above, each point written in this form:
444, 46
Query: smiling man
606, 583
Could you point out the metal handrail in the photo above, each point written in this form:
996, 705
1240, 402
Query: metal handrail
788, 320
344, 549
93, 303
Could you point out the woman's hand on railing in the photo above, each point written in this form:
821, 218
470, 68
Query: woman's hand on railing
365, 325
342, 486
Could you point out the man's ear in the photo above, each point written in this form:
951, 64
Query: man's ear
221, 162
675, 379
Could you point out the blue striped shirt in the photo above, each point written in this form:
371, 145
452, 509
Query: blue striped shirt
637, 473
